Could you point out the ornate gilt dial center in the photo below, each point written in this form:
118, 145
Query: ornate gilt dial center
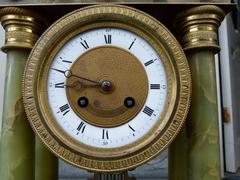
115, 76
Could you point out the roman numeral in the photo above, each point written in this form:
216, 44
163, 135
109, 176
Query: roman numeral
58, 70
84, 44
66, 61
108, 30
131, 128
105, 134
155, 86
132, 44
59, 85
65, 109
108, 39
148, 111
149, 62
81, 127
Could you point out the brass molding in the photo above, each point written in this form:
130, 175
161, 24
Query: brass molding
121, 176
198, 27
23, 27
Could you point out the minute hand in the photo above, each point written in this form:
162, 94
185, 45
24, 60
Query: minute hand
86, 79
68, 74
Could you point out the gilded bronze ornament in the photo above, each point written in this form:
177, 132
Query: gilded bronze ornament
199, 26
23, 27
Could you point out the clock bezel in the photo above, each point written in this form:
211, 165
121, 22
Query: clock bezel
175, 110
81, 148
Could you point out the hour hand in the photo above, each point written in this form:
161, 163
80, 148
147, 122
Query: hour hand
78, 85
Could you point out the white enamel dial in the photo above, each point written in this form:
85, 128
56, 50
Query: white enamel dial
101, 137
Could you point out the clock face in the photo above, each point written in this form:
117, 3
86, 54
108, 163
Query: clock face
112, 47
107, 88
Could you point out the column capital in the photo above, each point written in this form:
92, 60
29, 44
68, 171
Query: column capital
23, 27
198, 27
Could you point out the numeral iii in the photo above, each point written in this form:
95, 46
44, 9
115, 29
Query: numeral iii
148, 111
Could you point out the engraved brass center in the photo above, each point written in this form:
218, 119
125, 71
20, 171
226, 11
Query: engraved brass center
118, 75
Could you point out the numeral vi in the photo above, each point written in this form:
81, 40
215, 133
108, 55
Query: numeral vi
105, 134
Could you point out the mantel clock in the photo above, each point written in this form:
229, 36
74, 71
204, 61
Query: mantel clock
107, 88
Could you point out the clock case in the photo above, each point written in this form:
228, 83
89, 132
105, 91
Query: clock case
175, 110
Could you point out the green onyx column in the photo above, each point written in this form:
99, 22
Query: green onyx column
46, 165
200, 139
17, 143
17, 146
177, 157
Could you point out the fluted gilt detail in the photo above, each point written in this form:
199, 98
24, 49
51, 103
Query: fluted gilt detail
198, 27
22, 27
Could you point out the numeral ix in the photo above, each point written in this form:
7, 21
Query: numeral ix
59, 85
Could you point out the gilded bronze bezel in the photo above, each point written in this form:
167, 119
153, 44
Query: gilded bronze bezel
175, 110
